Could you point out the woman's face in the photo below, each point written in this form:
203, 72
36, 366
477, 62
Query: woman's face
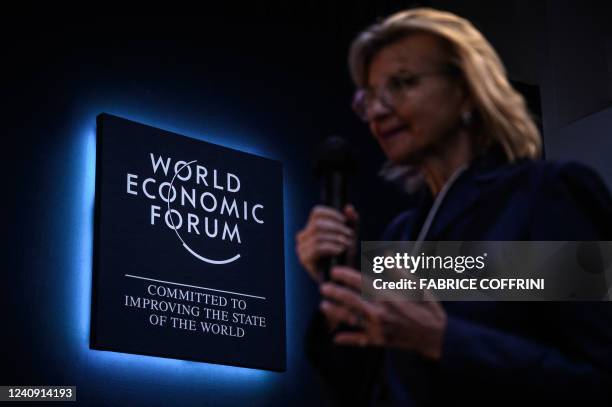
429, 110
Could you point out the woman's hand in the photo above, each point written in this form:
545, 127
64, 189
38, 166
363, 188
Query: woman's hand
409, 325
327, 233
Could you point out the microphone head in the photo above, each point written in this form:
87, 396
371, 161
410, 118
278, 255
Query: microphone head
335, 154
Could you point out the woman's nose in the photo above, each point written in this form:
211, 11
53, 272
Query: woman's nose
377, 109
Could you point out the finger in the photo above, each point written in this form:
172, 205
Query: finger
429, 296
322, 211
407, 309
315, 274
351, 214
337, 313
352, 338
309, 258
328, 239
348, 276
310, 253
331, 226
315, 250
335, 238
317, 238
348, 298
398, 299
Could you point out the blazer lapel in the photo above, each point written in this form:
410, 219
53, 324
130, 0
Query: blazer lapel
464, 194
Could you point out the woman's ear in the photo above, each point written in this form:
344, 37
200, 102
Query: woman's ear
467, 109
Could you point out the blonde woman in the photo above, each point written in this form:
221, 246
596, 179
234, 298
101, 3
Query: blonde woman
436, 97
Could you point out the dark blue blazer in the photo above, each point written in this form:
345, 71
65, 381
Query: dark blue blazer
495, 353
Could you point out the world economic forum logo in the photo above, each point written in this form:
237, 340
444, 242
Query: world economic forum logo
195, 202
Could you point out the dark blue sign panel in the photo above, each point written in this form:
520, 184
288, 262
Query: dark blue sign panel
188, 250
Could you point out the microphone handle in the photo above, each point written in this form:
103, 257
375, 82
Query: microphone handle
334, 194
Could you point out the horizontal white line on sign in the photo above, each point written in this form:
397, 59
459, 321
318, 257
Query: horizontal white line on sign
195, 286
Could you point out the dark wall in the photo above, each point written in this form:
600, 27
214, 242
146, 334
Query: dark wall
271, 80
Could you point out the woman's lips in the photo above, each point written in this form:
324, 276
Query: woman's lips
393, 131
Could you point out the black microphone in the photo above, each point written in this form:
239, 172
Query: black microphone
334, 166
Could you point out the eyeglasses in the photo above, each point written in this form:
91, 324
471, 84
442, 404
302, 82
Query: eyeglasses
393, 91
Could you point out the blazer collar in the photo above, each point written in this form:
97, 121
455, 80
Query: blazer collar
481, 175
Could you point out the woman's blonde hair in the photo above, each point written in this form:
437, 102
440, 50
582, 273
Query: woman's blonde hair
501, 110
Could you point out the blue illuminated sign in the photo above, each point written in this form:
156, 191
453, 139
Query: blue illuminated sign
188, 249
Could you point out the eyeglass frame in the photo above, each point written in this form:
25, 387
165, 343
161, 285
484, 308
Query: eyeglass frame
360, 94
